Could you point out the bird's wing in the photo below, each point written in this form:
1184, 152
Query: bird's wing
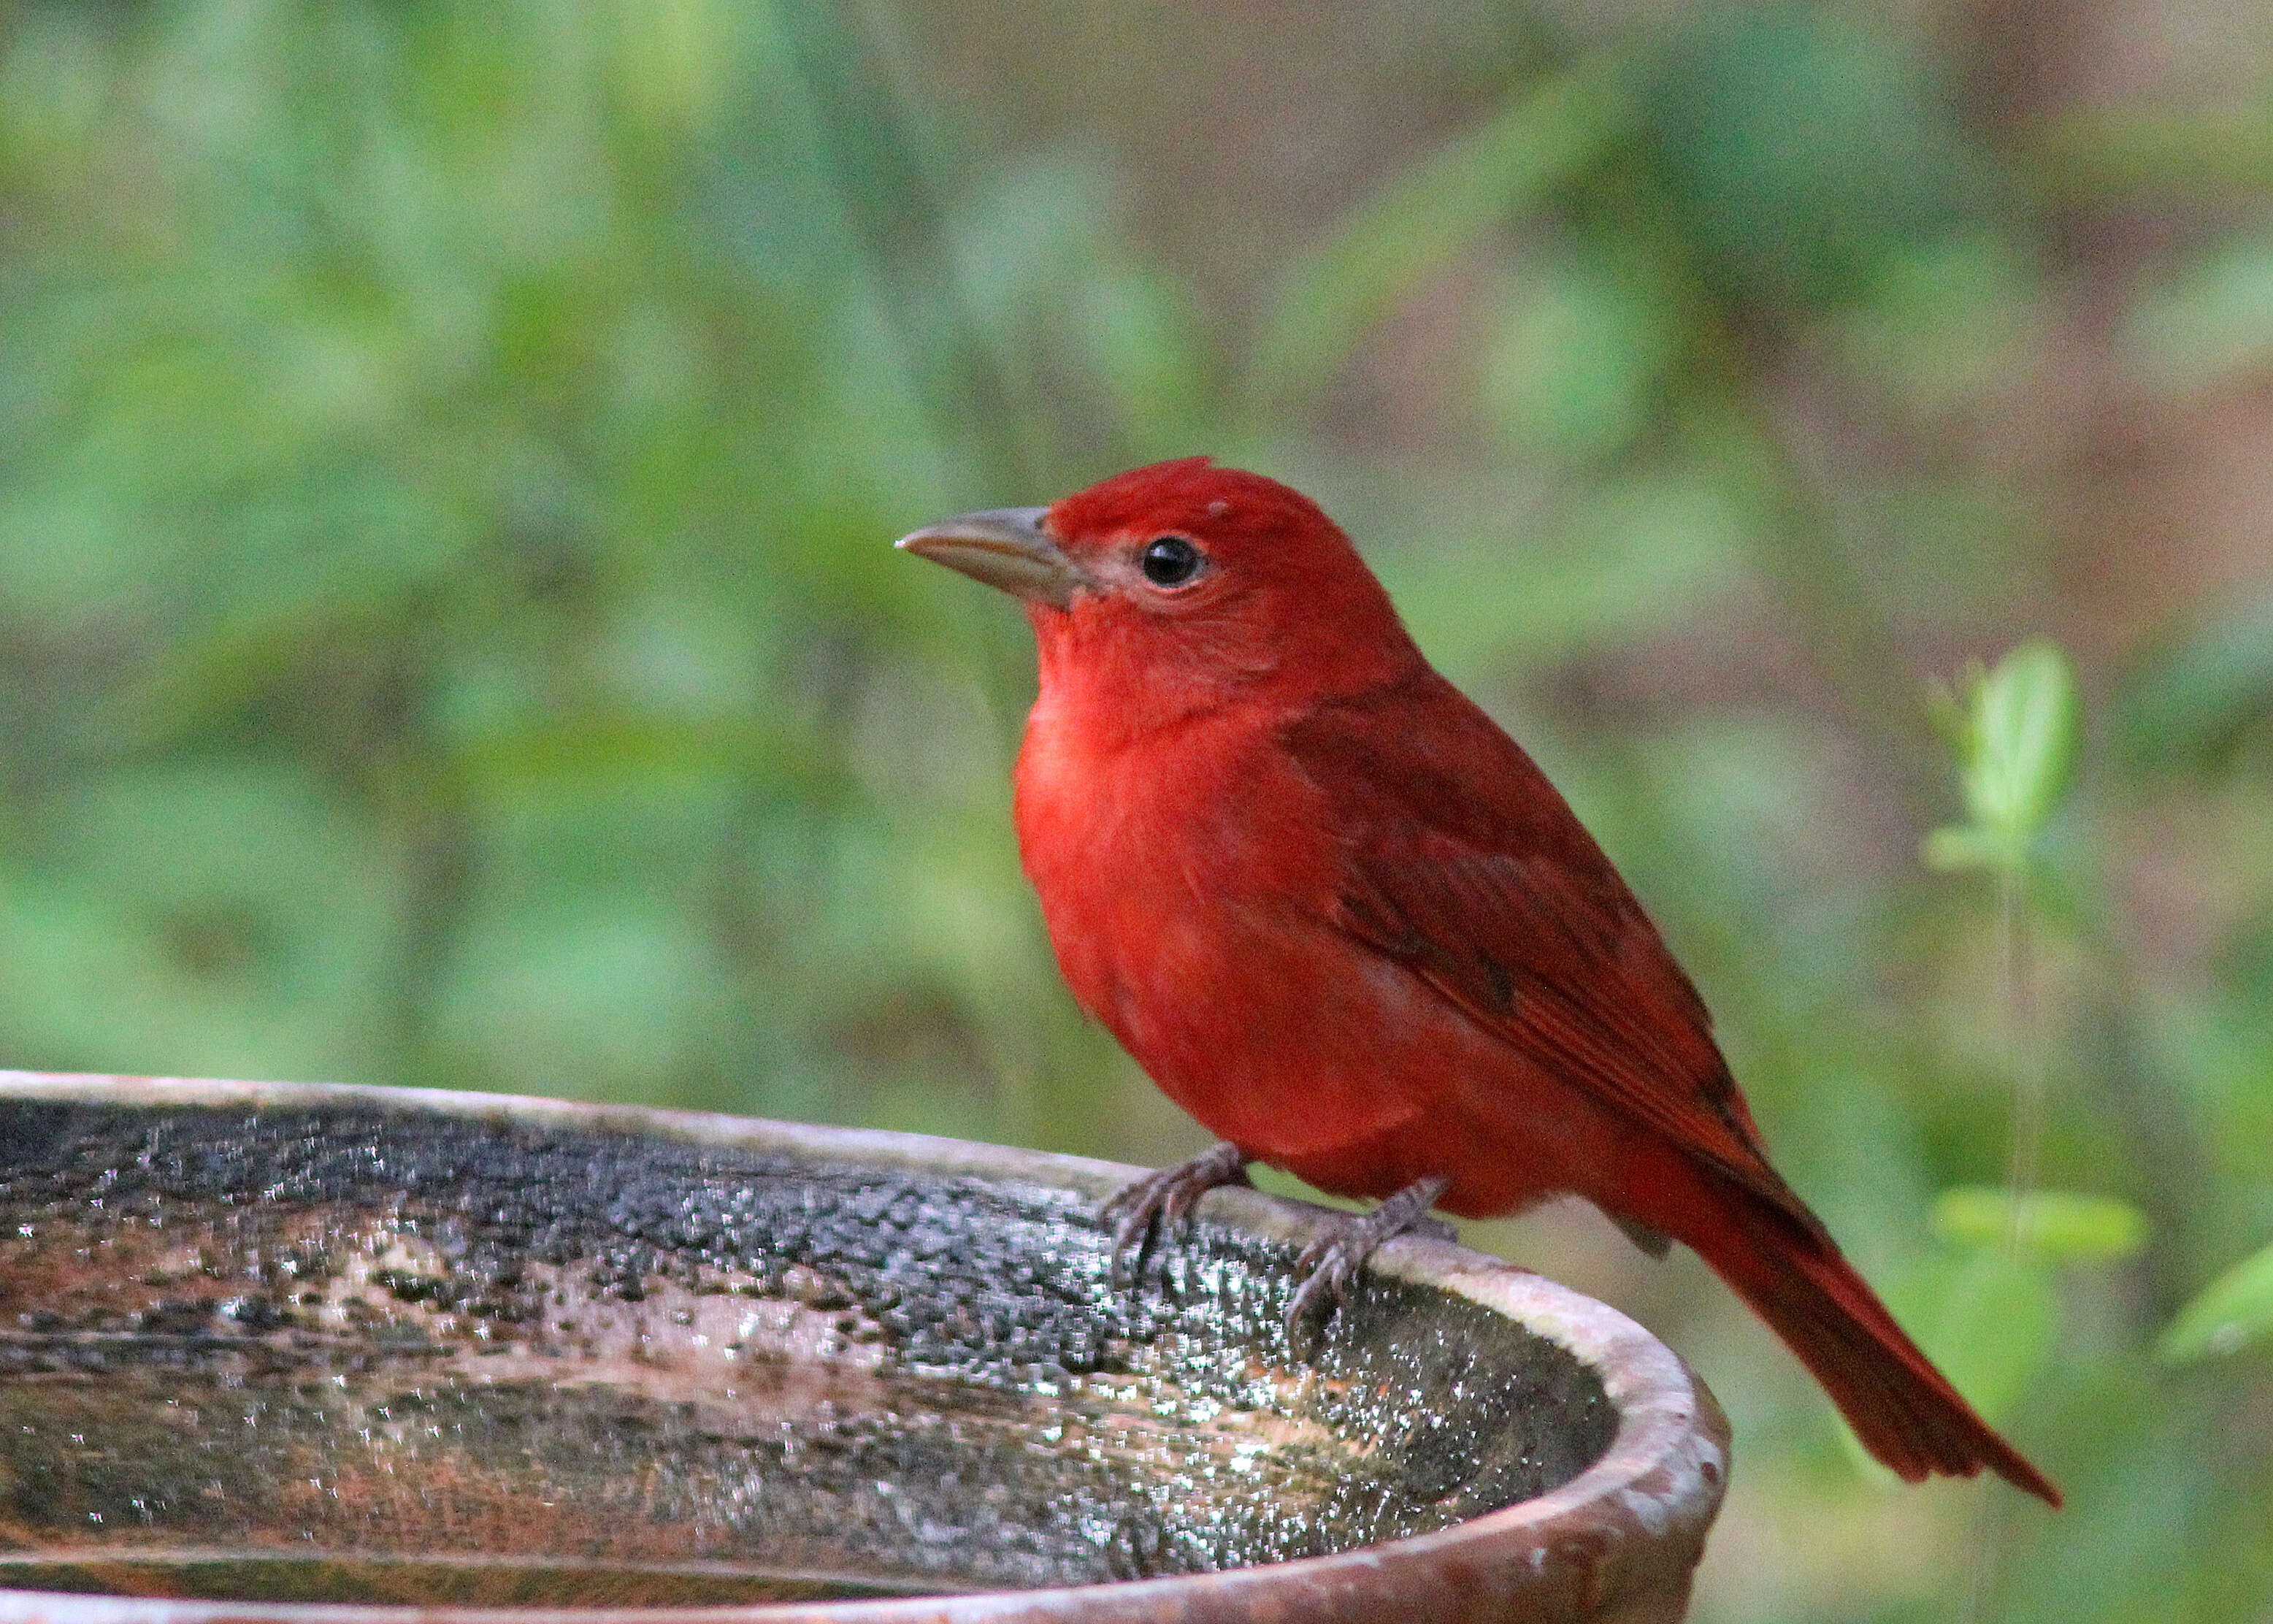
1462, 863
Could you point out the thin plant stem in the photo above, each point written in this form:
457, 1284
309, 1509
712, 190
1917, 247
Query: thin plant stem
2024, 1030
2025, 1023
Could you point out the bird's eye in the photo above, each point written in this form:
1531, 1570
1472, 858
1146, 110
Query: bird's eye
1169, 561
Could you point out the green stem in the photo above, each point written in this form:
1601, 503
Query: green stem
2025, 1025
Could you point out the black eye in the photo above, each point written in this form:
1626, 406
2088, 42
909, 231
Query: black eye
1169, 561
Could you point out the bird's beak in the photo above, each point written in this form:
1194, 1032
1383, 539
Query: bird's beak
1004, 548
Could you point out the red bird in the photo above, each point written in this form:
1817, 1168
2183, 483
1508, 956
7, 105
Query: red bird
1344, 920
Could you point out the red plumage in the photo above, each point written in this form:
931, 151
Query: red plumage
1344, 920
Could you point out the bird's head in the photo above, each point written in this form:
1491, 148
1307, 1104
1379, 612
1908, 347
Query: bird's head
1182, 573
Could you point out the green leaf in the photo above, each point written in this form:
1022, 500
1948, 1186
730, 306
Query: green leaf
1986, 1316
1993, 1327
2056, 1224
2017, 734
2024, 728
2232, 1312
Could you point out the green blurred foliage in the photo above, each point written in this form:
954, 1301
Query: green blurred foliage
2232, 1312
1804, 155
2015, 736
2058, 1224
449, 635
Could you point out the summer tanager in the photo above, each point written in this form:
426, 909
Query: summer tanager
1344, 920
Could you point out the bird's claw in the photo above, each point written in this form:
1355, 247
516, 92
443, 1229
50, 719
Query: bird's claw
1328, 1267
1165, 1200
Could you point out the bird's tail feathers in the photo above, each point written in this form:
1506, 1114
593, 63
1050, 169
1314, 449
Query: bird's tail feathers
1901, 1408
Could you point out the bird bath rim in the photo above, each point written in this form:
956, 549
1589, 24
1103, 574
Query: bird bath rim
1631, 1523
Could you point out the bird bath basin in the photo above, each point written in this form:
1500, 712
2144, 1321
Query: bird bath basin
365, 1356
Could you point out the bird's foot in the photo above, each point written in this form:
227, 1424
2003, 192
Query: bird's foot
1329, 1264
1165, 1200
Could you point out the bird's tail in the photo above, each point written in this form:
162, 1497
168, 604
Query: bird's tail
1902, 1409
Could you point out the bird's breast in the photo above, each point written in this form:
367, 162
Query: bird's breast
1187, 885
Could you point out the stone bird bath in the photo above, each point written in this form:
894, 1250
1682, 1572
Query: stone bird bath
378, 1357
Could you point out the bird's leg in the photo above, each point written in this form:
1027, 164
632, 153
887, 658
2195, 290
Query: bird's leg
1329, 1264
1138, 1211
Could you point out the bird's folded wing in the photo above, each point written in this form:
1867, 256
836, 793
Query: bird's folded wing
1463, 864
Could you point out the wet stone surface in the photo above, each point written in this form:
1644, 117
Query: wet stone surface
385, 1354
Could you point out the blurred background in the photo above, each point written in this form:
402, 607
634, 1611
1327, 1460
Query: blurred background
449, 452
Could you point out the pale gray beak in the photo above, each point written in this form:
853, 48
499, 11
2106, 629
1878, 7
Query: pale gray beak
1005, 547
